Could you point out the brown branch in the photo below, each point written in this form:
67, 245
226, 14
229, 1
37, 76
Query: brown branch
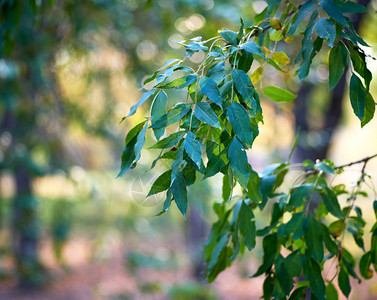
364, 160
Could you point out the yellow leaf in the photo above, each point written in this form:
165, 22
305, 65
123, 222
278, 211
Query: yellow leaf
255, 77
281, 58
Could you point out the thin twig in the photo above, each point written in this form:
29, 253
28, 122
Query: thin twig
364, 160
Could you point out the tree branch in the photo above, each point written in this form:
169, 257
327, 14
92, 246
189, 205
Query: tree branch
364, 160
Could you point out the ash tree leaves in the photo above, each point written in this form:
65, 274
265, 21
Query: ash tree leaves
209, 88
337, 64
240, 121
205, 121
238, 162
326, 30
205, 113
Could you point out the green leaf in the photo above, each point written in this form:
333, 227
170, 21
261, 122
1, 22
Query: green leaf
244, 86
301, 14
210, 89
253, 48
313, 238
337, 64
227, 187
219, 248
365, 262
296, 225
331, 292
158, 109
326, 30
370, 107
215, 164
170, 141
281, 58
140, 142
351, 7
357, 96
245, 61
143, 98
128, 155
331, 202
333, 11
312, 272
178, 189
238, 162
229, 36
358, 59
204, 113
277, 94
324, 167
173, 116
240, 121
271, 249
192, 148
344, 282
162, 183
253, 192
247, 225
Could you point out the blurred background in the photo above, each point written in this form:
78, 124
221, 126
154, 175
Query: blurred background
69, 71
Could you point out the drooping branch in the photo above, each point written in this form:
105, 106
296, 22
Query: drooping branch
364, 160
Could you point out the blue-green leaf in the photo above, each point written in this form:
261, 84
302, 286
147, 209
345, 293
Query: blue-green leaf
170, 141
143, 98
244, 86
238, 162
157, 111
301, 14
229, 36
215, 164
176, 114
326, 30
192, 148
351, 7
210, 89
253, 48
240, 121
204, 113
333, 11
140, 142
178, 189
357, 96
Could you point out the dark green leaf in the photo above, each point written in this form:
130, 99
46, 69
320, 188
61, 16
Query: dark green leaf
253, 192
178, 189
253, 48
128, 155
192, 148
161, 184
240, 121
210, 89
227, 187
247, 225
337, 64
270, 251
312, 272
331, 292
215, 164
238, 162
170, 141
365, 262
277, 94
313, 238
344, 282
357, 96
370, 107
245, 61
331, 202
204, 113
333, 11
